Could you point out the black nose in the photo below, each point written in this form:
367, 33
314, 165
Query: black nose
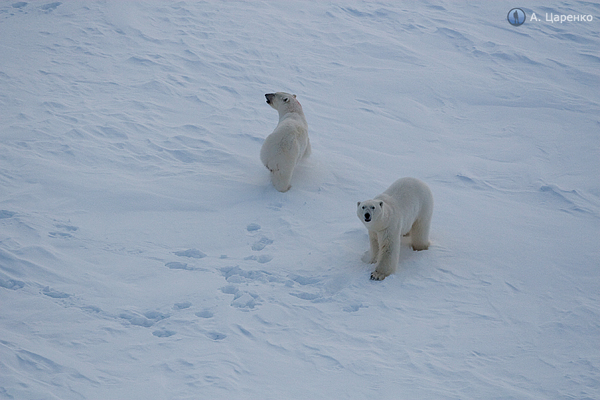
367, 217
269, 97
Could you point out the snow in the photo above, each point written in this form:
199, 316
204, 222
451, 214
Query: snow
145, 254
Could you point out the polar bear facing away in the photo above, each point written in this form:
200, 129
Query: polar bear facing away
404, 208
288, 143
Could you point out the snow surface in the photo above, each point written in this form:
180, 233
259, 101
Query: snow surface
144, 253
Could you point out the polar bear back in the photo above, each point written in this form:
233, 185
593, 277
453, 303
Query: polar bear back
411, 199
286, 144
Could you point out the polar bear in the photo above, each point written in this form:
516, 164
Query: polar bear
288, 143
404, 208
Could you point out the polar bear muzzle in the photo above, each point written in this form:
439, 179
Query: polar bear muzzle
269, 97
368, 211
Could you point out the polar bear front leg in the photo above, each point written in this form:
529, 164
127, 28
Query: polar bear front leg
370, 256
389, 255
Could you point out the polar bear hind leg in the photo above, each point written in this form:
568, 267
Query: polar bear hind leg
307, 151
419, 234
282, 176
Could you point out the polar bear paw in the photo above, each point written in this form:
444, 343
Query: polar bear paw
377, 276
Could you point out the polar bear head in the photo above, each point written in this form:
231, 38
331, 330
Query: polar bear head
283, 102
372, 214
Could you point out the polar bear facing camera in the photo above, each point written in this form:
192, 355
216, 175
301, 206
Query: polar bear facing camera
288, 143
405, 208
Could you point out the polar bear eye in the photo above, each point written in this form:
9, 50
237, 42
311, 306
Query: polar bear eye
286, 99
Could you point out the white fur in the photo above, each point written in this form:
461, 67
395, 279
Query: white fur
288, 143
404, 208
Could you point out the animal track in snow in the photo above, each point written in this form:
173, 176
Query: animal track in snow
307, 281
146, 320
6, 214
65, 234
163, 333
11, 284
178, 265
191, 253
184, 266
238, 275
60, 235
242, 299
245, 300
205, 314
216, 335
261, 243
252, 227
68, 228
55, 294
182, 305
213, 335
264, 258
276, 205
50, 6
307, 296
354, 307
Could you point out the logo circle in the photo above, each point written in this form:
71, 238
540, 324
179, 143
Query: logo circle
516, 17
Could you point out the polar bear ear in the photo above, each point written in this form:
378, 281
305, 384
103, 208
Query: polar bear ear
294, 95
358, 204
381, 204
